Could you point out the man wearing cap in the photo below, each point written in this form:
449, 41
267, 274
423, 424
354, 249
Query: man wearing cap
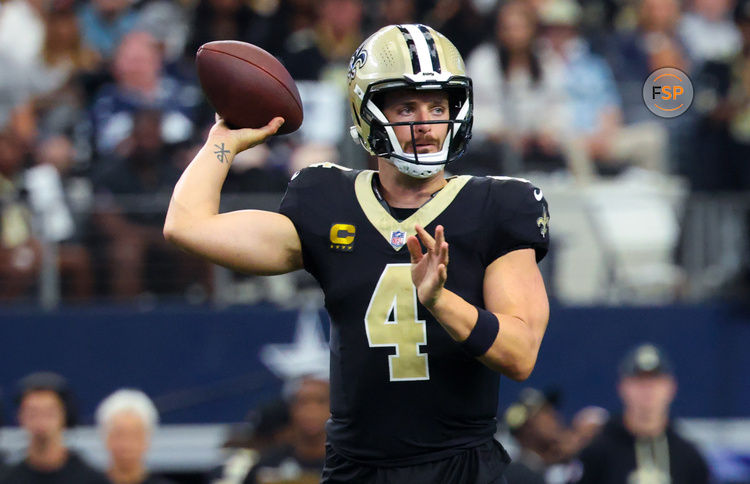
301, 459
546, 444
641, 446
44, 410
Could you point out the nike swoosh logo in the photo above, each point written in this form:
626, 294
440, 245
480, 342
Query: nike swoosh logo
538, 194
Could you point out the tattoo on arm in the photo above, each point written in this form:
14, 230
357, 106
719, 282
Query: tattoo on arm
221, 153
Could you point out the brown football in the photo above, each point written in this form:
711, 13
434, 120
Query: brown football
247, 86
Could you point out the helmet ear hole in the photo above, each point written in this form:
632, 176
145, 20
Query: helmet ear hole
379, 141
456, 100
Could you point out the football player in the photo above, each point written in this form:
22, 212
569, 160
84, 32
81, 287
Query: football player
431, 283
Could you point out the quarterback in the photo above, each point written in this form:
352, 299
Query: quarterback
431, 282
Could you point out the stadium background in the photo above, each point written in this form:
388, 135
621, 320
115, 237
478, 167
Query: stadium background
100, 110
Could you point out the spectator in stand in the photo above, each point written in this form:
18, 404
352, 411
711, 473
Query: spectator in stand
16, 82
127, 420
265, 427
642, 446
273, 22
544, 440
59, 71
724, 124
131, 194
20, 252
323, 51
394, 12
460, 21
104, 23
141, 84
708, 32
597, 141
63, 55
45, 409
301, 459
219, 20
15, 94
634, 55
22, 30
586, 424
514, 105
169, 22
74, 261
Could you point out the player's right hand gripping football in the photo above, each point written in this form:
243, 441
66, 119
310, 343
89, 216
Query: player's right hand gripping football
238, 140
429, 270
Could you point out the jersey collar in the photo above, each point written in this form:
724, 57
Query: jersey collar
386, 224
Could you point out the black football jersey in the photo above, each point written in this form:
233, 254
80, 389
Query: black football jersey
402, 391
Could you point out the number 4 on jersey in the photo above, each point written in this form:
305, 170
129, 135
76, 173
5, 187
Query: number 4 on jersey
395, 293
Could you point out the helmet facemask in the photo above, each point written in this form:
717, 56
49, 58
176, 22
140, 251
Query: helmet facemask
385, 143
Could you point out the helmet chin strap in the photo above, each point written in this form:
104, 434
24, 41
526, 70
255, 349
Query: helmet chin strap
414, 170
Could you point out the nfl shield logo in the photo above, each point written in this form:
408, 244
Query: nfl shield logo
398, 239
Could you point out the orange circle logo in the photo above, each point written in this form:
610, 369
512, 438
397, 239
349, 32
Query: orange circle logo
668, 92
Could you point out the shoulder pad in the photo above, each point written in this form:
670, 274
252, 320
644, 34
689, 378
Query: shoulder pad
509, 178
318, 170
513, 191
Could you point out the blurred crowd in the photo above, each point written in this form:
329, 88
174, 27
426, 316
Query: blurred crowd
281, 441
100, 110
284, 440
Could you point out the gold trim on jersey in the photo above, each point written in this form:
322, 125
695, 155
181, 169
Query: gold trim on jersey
386, 224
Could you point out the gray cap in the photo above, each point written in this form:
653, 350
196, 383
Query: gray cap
645, 359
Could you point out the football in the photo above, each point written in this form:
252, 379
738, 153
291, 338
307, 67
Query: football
247, 86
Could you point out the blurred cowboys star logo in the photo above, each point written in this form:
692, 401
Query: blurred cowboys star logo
308, 354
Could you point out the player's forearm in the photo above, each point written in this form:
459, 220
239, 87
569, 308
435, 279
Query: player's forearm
198, 191
514, 351
454, 314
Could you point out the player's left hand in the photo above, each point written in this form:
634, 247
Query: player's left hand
429, 270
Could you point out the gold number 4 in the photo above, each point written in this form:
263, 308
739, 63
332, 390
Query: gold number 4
395, 293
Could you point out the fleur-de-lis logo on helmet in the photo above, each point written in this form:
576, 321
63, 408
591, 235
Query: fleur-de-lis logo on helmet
358, 60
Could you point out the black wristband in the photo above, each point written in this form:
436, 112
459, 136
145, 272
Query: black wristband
483, 335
